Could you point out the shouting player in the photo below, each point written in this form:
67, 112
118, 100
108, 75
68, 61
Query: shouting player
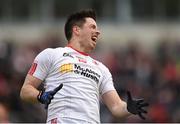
74, 81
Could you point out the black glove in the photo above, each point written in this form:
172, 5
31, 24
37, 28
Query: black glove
135, 106
46, 97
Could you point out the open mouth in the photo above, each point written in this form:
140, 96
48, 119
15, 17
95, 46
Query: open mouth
94, 38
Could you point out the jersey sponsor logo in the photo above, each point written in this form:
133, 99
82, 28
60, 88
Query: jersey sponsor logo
32, 69
66, 68
77, 69
86, 72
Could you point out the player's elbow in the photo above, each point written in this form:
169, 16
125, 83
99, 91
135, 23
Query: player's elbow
29, 93
22, 94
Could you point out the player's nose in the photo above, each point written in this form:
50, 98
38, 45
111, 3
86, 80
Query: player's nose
98, 32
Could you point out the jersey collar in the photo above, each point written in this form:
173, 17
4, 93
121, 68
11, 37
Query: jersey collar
83, 53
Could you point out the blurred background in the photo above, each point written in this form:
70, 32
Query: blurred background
139, 42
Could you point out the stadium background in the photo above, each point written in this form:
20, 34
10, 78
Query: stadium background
140, 43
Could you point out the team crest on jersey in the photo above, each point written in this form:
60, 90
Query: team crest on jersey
81, 59
54, 121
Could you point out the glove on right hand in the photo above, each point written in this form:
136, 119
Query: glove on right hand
46, 97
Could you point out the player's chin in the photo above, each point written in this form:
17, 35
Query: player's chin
93, 45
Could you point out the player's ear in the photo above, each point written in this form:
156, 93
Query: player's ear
76, 30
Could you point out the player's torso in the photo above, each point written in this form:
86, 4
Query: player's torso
81, 77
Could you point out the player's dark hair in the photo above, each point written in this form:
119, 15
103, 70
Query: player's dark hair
78, 19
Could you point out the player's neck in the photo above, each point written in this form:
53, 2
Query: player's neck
78, 47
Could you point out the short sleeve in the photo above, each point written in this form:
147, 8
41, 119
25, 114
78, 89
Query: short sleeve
41, 65
107, 82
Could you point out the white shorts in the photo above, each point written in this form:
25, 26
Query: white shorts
65, 120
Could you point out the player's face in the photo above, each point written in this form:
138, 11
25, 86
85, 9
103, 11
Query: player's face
89, 34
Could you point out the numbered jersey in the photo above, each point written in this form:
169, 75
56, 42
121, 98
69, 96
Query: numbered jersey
84, 81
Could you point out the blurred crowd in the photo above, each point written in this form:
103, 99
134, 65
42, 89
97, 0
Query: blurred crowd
153, 75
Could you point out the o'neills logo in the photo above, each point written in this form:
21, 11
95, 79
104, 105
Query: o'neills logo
77, 69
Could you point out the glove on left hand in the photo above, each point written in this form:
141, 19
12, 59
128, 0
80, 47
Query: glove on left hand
135, 106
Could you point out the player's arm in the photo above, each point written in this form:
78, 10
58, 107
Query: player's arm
29, 90
117, 106
30, 93
39, 69
120, 108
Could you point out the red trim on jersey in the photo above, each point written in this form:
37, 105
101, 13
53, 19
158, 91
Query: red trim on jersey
83, 53
32, 69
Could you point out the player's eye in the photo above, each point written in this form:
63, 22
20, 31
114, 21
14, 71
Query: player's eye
93, 26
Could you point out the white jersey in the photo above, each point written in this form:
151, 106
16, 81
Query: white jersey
84, 81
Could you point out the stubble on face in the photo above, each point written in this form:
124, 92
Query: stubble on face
89, 34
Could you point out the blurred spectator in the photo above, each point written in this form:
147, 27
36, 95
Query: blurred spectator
158, 113
4, 114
